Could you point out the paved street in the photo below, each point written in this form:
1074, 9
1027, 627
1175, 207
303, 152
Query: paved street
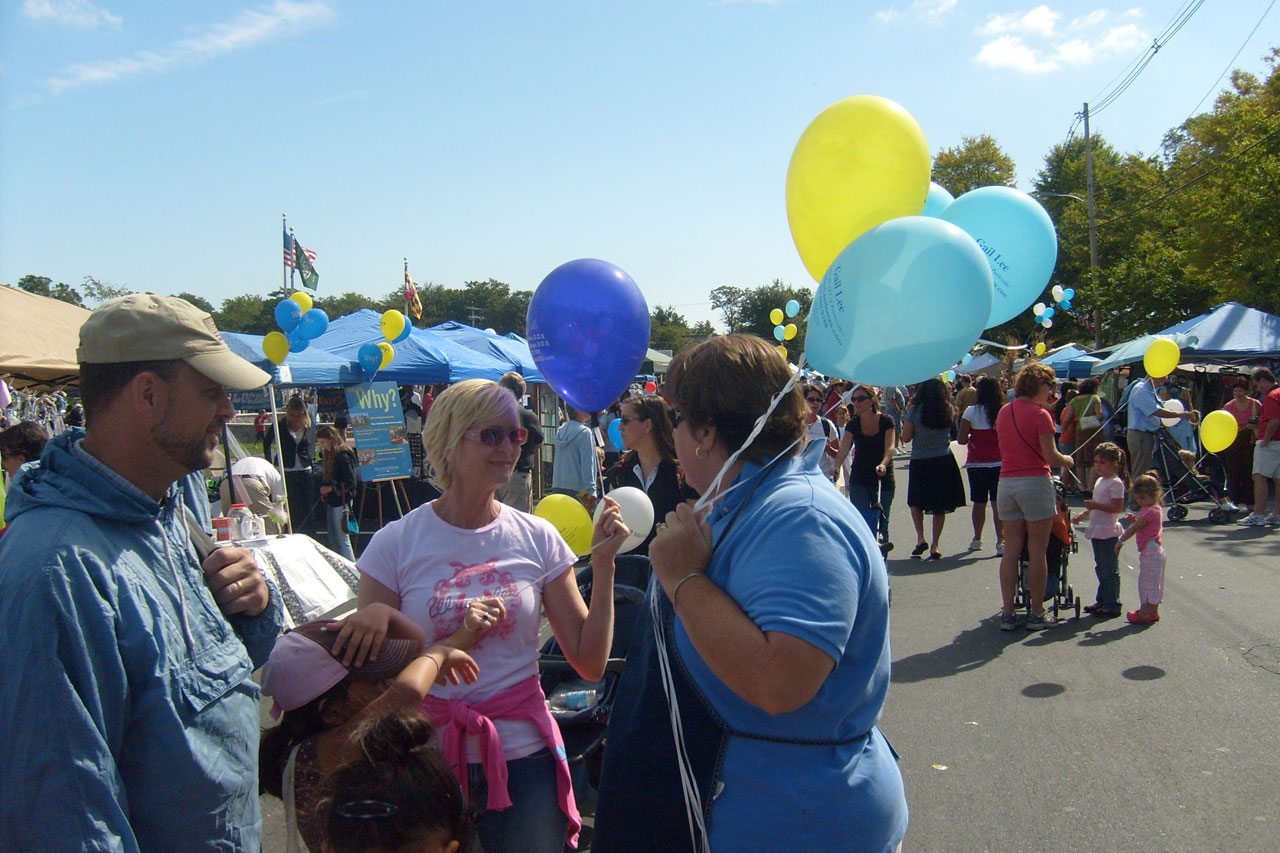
1094, 735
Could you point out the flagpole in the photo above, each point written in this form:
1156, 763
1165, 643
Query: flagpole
284, 265
293, 241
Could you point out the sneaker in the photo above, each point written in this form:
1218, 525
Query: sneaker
1008, 621
1040, 621
975, 545
1273, 521
999, 549
1230, 506
1253, 520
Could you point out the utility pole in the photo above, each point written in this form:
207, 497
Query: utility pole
1093, 232
473, 316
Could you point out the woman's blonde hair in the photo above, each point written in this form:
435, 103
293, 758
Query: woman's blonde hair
457, 409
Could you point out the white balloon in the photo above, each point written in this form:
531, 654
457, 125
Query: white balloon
1038, 308
1172, 406
637, 514
1048, 324
1058, 293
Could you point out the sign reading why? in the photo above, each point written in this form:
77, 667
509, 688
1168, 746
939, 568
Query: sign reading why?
377, 425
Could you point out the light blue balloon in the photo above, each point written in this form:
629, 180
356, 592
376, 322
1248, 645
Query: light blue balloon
1018, 238
937, 201
900, 304
792, 307
1065, 305
966, 358
1068, 295
288, 315
1047, 315
615, 433
370, 358
780, 332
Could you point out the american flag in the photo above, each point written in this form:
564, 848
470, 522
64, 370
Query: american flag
288, 251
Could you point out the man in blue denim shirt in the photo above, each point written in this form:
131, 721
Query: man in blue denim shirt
129, 715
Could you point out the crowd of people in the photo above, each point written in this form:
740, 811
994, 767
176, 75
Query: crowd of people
755, 678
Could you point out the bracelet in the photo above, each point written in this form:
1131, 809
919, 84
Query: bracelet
675, 593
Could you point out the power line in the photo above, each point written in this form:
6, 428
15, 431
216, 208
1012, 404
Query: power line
1248, 39
1135, 69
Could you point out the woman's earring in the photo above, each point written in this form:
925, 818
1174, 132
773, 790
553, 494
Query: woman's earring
700, 453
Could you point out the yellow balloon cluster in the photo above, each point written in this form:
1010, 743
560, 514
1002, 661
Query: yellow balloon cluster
861, 162
275, 346
1218, 431
1161, 357
569, 518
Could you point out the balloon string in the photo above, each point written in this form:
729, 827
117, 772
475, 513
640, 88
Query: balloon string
1002, 346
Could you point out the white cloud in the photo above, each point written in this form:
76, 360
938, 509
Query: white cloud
929, 11
246, 30
1032, 42
74, 13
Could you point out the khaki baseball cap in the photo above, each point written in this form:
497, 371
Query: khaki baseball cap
149, 327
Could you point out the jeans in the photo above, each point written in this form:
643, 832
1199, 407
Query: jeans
876, 514
339, 542
1106, 564
534, 822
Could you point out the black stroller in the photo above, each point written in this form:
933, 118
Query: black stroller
1062, 544
1184, 484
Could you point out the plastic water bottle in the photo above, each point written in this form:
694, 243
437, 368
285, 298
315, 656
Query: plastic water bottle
577, 700
241, 522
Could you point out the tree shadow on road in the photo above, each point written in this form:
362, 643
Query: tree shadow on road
969, 650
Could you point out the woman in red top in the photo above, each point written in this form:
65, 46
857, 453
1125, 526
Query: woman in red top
1026, 501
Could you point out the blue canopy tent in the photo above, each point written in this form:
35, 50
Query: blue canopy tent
509, 348
984, 363
1229, 332
1070, 361
312, 366
424, 357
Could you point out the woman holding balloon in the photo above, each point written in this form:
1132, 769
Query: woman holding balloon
466, 545
772, 610
649, 464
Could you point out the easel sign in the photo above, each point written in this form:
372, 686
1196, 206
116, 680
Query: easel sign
377, 425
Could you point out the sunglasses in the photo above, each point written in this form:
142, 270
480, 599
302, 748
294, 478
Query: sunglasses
813, 399
626, 420
859, 399
493, 436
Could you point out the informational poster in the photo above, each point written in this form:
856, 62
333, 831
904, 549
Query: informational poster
377, 425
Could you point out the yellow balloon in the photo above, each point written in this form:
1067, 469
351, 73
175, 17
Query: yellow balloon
388, 353
303, 299
861, 162
775, 317
1161, 357
275, 346
790, 331
569, 518
782, 351
392, 324
1218, 431
1040, 348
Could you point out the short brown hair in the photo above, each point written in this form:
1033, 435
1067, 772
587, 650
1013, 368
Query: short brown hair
1264, 373
727, 382
100, 384
513, 382
1031, 377
26, 439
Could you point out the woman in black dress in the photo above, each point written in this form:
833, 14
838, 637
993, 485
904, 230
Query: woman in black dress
872, 438
934, 486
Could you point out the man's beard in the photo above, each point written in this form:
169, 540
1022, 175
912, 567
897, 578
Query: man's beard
192, 454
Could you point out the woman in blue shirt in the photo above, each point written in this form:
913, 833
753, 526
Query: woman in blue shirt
773, 610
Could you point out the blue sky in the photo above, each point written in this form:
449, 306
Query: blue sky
155, 145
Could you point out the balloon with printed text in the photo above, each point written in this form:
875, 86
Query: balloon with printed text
570, 519
288, 315
637, 514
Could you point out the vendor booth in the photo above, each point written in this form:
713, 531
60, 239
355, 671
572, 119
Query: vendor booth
38, 339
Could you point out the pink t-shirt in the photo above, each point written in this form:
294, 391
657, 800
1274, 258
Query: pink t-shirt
1154, 517
1019, 426
1106, 525
437, 568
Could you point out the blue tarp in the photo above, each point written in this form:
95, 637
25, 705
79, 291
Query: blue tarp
1070, 361
1229, 331
311, 367
423, 358
511, 349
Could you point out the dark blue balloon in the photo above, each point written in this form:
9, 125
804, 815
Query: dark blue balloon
297, 341
288, 315
588, 327
314, 323
370, 357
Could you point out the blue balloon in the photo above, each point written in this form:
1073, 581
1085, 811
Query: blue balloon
615, 434
1018, 238
937, 201
297, 341
288, 315
780, 332
792, 307
1068, 294
313, 325
1047, 315
370, 358
1065, 305
588, 327
966, 358
900, 304
405, 332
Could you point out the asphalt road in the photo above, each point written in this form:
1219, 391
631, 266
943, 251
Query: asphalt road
1093, 735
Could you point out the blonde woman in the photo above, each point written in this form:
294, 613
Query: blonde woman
466, 545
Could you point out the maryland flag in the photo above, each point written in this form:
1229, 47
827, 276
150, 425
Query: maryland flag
412, 303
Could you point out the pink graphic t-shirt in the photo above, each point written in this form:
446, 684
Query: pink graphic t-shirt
1102, 524
437, 568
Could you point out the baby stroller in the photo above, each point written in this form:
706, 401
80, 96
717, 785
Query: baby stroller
1062, 544
1186, 483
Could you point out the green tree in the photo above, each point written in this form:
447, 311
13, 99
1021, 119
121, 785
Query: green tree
249, 314
200, 302
42, 285
348, 303
746, 310
98, 292
978, 161
668, 329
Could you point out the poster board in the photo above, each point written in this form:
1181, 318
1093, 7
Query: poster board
379, 432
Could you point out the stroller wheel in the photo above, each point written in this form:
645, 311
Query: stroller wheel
1217, 515
1077, 608
1177, 512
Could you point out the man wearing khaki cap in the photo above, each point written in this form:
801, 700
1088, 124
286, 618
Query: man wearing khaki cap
128, 714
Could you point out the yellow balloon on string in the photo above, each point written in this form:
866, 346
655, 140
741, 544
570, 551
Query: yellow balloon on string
303, 299
388, 353
1218, 431
275, 346
790, 331
1040, 348
775, 317
1161, 357
782, 351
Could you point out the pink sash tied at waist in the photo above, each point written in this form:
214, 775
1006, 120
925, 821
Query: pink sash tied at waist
456, 718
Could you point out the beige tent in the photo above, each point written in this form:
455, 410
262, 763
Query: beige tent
38, 339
